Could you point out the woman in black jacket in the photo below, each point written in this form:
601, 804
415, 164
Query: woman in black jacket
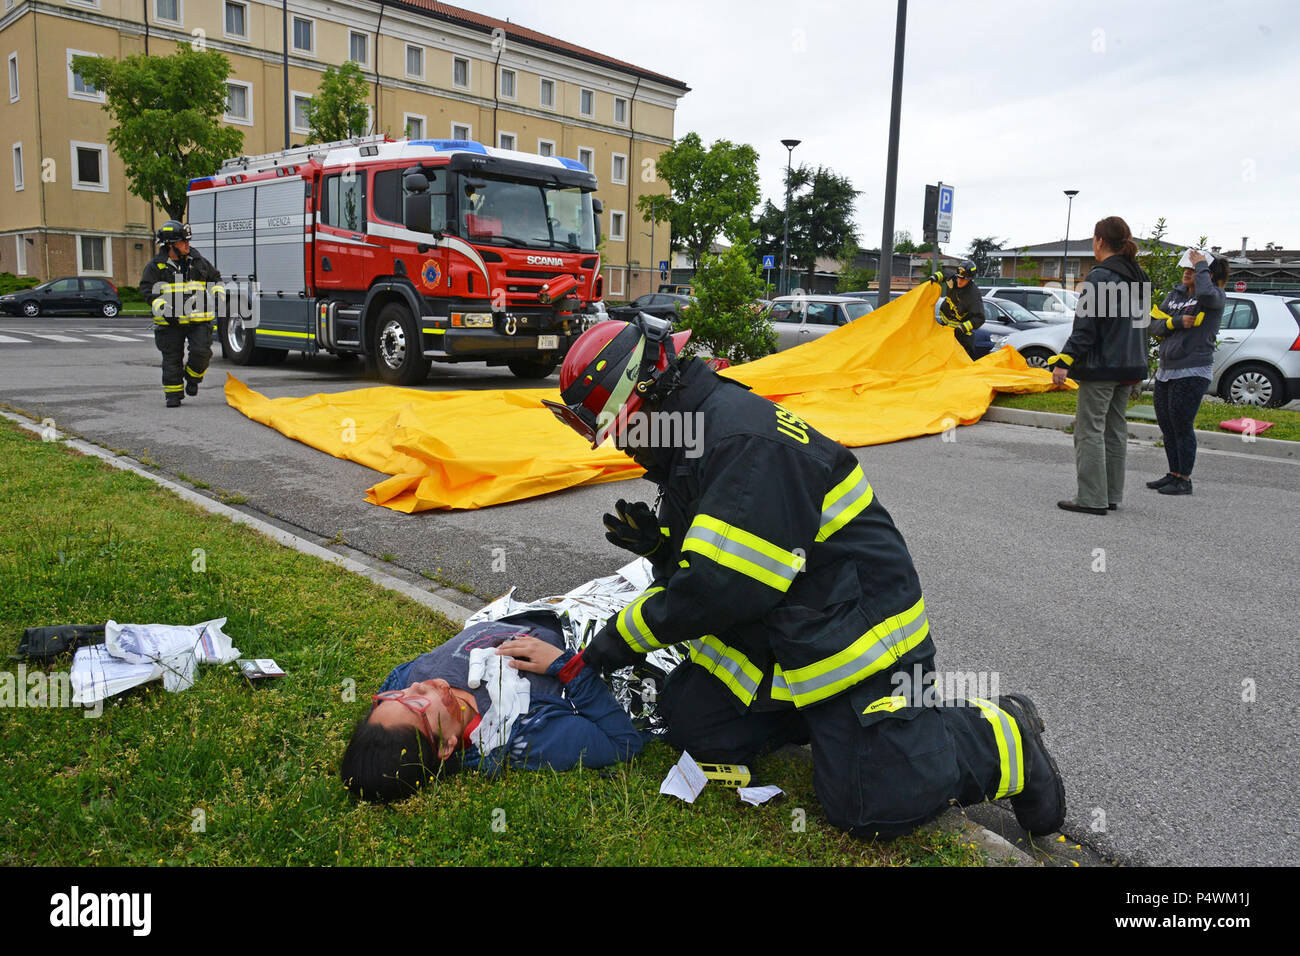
1106, 355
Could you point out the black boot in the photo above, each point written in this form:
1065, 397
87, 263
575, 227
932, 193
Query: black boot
1068, 505
1179, 486
191, 386
173, 399
1161, 482
1040, 807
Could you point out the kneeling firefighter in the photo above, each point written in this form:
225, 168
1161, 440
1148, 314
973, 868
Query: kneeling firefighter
182, 287
962, 309
778, 565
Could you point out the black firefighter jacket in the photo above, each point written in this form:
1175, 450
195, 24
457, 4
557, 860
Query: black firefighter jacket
787, 577
181, 290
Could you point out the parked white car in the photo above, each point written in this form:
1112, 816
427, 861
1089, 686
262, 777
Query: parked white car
1049, 303
1257, 361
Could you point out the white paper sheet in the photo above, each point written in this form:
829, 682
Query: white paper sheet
685, 780
758, 795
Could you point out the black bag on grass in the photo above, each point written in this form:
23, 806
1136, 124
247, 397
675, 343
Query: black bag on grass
47, 643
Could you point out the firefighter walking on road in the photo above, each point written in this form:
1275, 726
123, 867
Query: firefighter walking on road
962, 309
182, 288
779, 568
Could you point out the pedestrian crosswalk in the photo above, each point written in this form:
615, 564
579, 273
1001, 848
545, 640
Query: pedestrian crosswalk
19, 337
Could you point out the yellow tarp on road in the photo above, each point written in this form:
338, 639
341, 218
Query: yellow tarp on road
895, 373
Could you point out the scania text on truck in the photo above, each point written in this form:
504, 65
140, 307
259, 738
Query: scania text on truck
407, 251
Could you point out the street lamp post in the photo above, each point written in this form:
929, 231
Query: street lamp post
1066, 251
789, 145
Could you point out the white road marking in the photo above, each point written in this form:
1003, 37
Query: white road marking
6, 338
55, 338
110, 337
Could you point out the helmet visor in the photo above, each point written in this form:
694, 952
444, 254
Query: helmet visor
573, 419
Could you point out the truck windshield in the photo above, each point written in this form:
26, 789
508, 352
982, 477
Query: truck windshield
526, 214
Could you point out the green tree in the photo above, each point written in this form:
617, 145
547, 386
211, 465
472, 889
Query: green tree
166, 112
903, 242
821, 219
852, 277
979, 253
724, 318
711, 193
338, 108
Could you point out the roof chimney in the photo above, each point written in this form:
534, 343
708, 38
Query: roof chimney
1243, 247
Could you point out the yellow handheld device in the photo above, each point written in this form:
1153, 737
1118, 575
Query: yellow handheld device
727, 774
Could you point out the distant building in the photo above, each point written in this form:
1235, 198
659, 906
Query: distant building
1041, 263
434, 71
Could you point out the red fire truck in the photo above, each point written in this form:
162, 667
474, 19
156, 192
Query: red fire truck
407, 251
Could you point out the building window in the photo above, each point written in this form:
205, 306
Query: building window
167, 11
1051, 269
20, 242
460, 72
547, 98
460, 131
90, 167
507, 84
587, 103
236, 24
506, 140
414, 125
620, 111
13, 77
545, 147
78, 87
301, 121
304, 35
18, 167
616, 226
94, 255
239, 103
587, 157
358, 47
616, 282
618, 169
415, 61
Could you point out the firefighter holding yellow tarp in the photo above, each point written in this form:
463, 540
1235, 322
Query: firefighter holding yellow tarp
777, 565
182, 288
962, 309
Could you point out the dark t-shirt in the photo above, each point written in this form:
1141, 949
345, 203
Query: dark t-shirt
450, 661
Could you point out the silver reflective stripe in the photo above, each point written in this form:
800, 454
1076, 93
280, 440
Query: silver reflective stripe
739, 680
713, 539
877, 656
859, 495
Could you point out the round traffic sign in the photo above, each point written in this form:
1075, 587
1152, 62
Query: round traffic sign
1241, 285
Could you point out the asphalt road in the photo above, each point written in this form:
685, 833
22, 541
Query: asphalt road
1169, 680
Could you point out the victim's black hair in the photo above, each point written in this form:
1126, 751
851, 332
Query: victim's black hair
382, 764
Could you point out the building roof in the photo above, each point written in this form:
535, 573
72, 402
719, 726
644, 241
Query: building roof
445, 11
1078, 247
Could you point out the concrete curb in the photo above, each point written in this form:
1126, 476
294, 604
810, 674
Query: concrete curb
449, 609
1218, 441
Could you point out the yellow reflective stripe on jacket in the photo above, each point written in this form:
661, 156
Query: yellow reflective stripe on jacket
1011, 748
844, 502
779, 689
728, 665
742, 551
875, 650
633, 628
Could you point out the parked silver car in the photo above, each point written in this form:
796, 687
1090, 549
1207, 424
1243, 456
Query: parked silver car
802, 318
1049, 303
1256, 362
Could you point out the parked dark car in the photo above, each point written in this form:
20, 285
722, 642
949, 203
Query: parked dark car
1002, 317
663, 305
69, 295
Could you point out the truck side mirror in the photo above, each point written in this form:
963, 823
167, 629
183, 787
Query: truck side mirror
418, 211
597, 207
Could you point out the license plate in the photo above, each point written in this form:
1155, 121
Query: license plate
548, 341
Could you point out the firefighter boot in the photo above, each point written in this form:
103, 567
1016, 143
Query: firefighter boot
1040, 807
173, 399
191, 386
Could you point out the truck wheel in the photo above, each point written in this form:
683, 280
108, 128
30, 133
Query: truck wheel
237, 342
398, 348
532, 368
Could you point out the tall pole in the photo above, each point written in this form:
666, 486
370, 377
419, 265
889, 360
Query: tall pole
284, 69
1066, 251
934, 259
789, 145
891, 169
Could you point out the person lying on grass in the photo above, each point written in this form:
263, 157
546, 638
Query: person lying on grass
499, 693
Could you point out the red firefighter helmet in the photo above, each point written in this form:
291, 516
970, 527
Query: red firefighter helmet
611, 369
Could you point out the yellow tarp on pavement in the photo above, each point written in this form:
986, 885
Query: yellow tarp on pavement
895, 373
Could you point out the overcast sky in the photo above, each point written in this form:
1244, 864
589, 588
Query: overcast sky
1186, 110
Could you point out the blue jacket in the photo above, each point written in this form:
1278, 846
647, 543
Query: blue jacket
584, 727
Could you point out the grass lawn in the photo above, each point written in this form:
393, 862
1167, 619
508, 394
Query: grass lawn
1207, 419
226, 774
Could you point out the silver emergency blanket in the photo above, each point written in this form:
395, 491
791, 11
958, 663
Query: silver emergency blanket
582, 612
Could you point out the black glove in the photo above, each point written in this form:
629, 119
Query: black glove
936, 277
635, 528
607, 651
